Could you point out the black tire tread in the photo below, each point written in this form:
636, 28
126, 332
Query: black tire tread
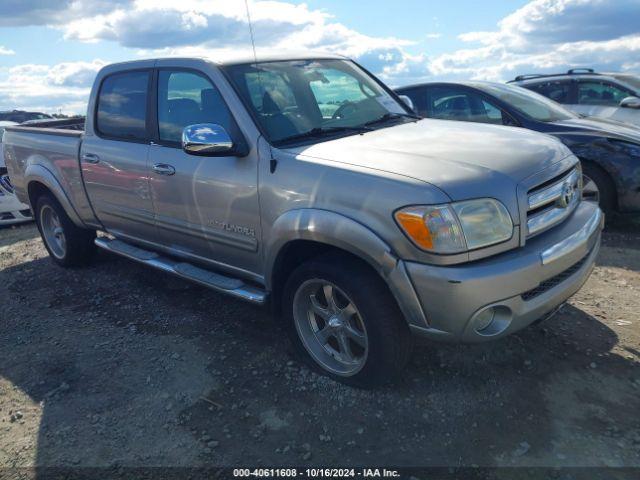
80, 242
606, 187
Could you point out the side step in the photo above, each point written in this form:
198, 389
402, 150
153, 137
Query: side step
207, 278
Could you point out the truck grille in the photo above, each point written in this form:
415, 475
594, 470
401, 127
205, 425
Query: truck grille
553, 281
553, 201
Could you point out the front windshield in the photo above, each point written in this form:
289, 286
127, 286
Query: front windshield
527, 102
304, 97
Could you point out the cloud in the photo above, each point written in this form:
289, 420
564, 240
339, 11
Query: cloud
215, 29
549, 36
46, 12
542, 36
6, 51
48, 88
158, 25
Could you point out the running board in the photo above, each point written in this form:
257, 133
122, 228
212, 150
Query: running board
216, 281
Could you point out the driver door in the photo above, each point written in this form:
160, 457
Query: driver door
601, 99
206, 207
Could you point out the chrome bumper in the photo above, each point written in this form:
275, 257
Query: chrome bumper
519, 286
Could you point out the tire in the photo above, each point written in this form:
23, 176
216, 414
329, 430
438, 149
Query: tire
366, 308
67, 244
606, 189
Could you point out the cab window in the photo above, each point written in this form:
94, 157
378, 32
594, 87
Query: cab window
188, 98
122, 106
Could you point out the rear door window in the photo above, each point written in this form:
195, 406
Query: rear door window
452, 103
122, 106
558, 91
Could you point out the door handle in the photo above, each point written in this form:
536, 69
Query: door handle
90, 158
164, 169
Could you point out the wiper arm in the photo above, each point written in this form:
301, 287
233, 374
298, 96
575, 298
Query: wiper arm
318, 132
391, 116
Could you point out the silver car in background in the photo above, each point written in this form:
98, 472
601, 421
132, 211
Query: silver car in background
614, 96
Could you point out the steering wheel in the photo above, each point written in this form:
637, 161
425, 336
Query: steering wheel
343, 109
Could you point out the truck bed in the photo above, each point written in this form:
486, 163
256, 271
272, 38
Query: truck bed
49, 149
73, 126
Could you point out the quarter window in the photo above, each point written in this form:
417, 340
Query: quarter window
187, 98
122, 105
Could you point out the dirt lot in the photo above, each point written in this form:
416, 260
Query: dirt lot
117, 364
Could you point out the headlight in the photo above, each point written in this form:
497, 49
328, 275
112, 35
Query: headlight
456, 227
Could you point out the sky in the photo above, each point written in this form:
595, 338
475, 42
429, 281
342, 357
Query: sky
51, 51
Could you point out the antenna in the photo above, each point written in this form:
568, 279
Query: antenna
253, 42
273, 163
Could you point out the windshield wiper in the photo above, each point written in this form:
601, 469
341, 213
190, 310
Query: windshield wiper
391, 116
319, 132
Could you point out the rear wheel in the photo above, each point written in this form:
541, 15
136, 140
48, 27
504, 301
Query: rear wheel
344, 322
67, 244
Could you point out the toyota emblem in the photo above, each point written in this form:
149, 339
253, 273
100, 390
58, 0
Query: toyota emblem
566, 195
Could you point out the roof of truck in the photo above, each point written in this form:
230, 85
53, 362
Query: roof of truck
267, 56
274, 56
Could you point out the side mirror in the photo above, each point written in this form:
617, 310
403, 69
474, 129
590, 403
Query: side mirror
407, 101
630, 102
206, 139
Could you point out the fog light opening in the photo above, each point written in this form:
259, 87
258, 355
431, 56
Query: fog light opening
485, 319
492, 320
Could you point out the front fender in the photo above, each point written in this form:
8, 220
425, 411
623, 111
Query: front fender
38, 173
333, 229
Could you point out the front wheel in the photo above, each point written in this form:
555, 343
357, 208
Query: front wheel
67, 244
344, 322
598, 187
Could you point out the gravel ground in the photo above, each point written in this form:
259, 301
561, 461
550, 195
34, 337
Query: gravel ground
117, 364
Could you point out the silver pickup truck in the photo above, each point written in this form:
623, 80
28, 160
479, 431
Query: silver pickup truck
306, 183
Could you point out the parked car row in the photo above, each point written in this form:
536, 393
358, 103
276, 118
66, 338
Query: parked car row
305, 183
609, 151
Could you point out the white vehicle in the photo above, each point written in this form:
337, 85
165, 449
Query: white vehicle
12, 210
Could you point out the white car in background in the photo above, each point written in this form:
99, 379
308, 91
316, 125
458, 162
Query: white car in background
12, 210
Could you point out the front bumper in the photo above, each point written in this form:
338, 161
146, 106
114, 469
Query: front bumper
519, 286
13, 210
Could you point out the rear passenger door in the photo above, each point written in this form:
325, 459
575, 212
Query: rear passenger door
206, 207
114, 158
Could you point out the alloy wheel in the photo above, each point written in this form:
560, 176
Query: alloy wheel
330, 327
53, 232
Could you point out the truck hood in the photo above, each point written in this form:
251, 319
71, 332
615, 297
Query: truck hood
465, 160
